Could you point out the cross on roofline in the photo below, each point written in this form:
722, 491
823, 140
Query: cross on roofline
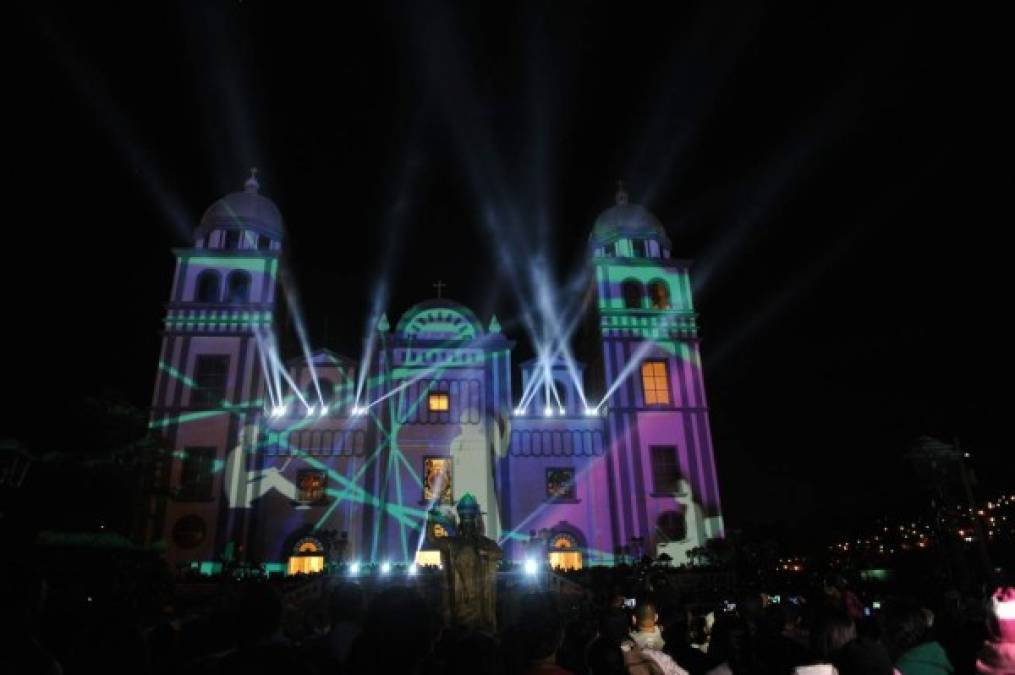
440, 287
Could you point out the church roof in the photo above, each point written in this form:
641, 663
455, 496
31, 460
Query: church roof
624, 220
247, 209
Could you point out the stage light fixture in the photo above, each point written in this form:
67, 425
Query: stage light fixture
561, 412
412, 570
323, 411
547, 411
531, 568
385, 567
591, 412
311, 410
520, 412
354, 569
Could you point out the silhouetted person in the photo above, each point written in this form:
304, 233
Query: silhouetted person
909, 640
605, 656
399, 631
832, 630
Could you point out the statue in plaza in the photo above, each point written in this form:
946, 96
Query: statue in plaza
469, 571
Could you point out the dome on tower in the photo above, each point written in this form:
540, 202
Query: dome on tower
248, 209
624, 220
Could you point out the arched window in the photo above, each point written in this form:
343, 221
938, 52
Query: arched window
631, 290
207, 286
659, 294
238, 283
672, 526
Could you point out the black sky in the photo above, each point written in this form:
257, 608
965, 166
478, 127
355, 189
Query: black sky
840, 175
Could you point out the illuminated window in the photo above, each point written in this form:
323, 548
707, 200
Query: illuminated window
425, 558
311, 486
238, 287
665, 469
196, 473
564, 553
631, 290
437, 479
211, 374
655, 383
438, 402
207, 287
560, 483
659, 294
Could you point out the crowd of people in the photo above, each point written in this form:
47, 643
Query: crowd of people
650, 629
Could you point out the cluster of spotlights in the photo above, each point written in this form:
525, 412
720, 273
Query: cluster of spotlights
278, 411
319, 411
549, 411
359, 411
384, 568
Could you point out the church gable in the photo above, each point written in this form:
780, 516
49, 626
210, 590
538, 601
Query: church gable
439, 321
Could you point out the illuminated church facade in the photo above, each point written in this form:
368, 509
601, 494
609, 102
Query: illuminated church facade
329, 457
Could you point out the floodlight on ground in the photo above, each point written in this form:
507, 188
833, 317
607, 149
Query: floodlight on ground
560, 411
591, 412
547, 411
412, 570
531, 567
520, 412
385, 567
354, 569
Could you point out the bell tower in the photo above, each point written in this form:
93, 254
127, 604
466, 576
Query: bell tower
661, 467
210, 382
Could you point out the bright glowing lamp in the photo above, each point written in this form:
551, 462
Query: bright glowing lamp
520, 411
560, 411
385, 567
310, 411
591, 412
547, 411
531, 568
412, 570
354, 569
323, 411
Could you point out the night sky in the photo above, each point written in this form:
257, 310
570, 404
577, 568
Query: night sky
840, 177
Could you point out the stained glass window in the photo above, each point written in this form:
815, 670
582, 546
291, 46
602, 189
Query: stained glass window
560, 483
437, 479
655, 382
311, 485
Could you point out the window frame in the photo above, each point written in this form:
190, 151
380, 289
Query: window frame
198, 286
438, 395
300, 492
672, 453
197, 480
654, 377
571, 496
447, 495
627, 287
198, 397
